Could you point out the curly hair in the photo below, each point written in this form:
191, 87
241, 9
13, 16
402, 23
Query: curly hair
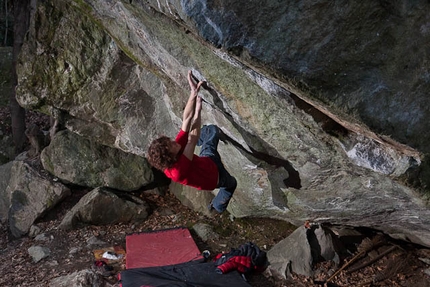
159, 155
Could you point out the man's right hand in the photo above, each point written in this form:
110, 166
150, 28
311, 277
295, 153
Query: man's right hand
193, 86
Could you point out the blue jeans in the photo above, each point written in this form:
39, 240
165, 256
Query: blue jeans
209, 138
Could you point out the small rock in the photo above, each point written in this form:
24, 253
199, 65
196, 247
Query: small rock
34, 231
94, 241
166, 212
38, 253
74, 250
205, 232
41, 237
53, 263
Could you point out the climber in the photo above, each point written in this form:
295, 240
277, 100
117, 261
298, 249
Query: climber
177, 160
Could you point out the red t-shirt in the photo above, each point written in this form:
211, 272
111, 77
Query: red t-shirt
201, 172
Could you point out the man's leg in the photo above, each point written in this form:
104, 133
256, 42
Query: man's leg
209, 138
227, 185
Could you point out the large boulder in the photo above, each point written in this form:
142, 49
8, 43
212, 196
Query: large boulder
102, 206
303, 249
80, 161
354, 56
293, 108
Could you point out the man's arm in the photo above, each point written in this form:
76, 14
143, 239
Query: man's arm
189, 110
194, 134
197, 120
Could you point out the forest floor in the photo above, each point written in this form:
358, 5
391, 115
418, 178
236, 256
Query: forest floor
398, 268
406, 265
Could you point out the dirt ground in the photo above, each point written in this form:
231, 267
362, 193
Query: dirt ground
403, 265
400, 267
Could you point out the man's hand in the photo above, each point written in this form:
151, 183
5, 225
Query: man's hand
193, 86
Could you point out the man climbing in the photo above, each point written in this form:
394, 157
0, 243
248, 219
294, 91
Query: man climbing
177, 160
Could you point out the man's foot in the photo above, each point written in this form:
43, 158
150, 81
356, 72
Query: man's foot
212, 211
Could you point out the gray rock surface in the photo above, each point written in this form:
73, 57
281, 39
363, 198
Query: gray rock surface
299, 252
32, 195
205, 231
94, 242
86, 163
34, 231
197, 200
354, 55
38, 253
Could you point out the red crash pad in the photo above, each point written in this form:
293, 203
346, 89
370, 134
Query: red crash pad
160, 248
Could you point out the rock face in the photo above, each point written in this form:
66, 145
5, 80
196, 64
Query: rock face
306, 93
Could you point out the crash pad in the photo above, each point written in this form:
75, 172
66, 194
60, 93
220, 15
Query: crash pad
160, 248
